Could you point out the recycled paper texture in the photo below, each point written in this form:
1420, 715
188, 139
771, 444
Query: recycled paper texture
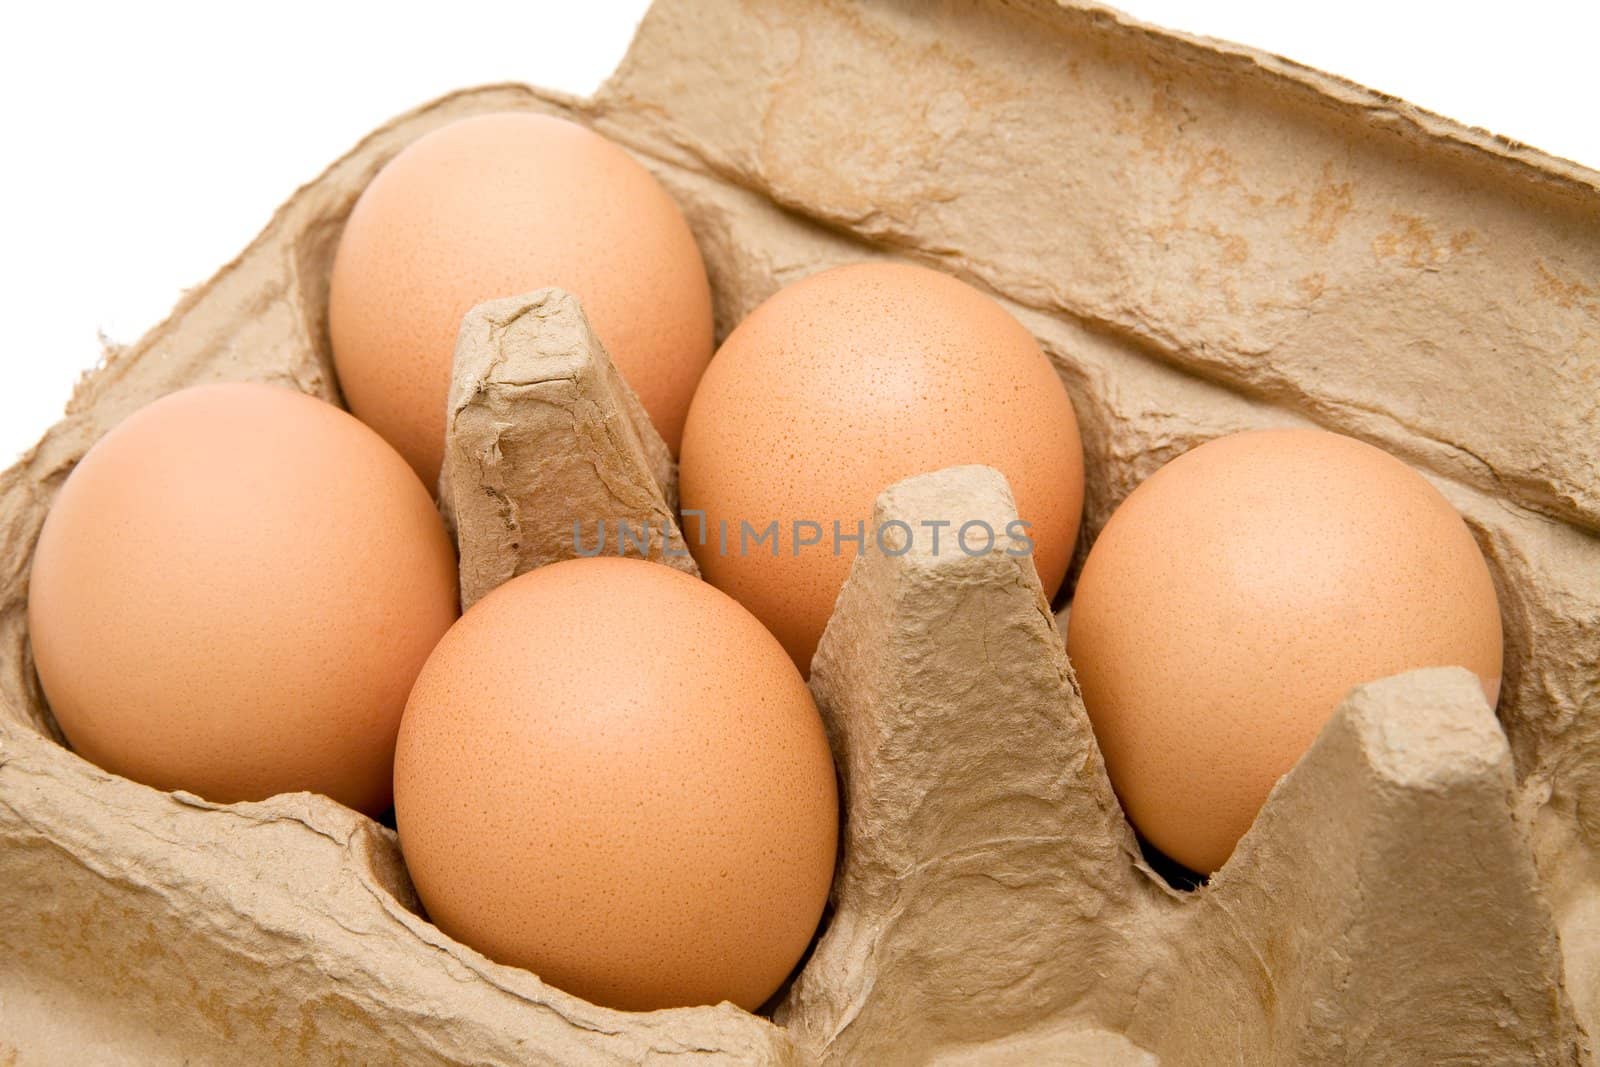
1204, 239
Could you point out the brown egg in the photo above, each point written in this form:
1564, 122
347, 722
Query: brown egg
500, 205
1237, 596
233, 593
609, 773
842, 384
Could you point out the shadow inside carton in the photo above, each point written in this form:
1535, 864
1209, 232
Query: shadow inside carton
1063, 598
782, 992
1170, 870
44, 719
313, 259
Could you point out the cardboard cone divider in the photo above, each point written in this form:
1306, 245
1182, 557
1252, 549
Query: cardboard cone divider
1204, 239
538, 414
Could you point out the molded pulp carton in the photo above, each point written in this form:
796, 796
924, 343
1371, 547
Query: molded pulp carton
1204, 239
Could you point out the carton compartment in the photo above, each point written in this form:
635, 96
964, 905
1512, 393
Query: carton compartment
1423, 886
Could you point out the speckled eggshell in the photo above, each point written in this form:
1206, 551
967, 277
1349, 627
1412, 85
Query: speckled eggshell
499, 205
233, 593
1234, 599
842, 384
610, 774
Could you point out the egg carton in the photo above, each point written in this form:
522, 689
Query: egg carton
1204, 239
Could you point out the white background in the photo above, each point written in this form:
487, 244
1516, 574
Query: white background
146, 144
